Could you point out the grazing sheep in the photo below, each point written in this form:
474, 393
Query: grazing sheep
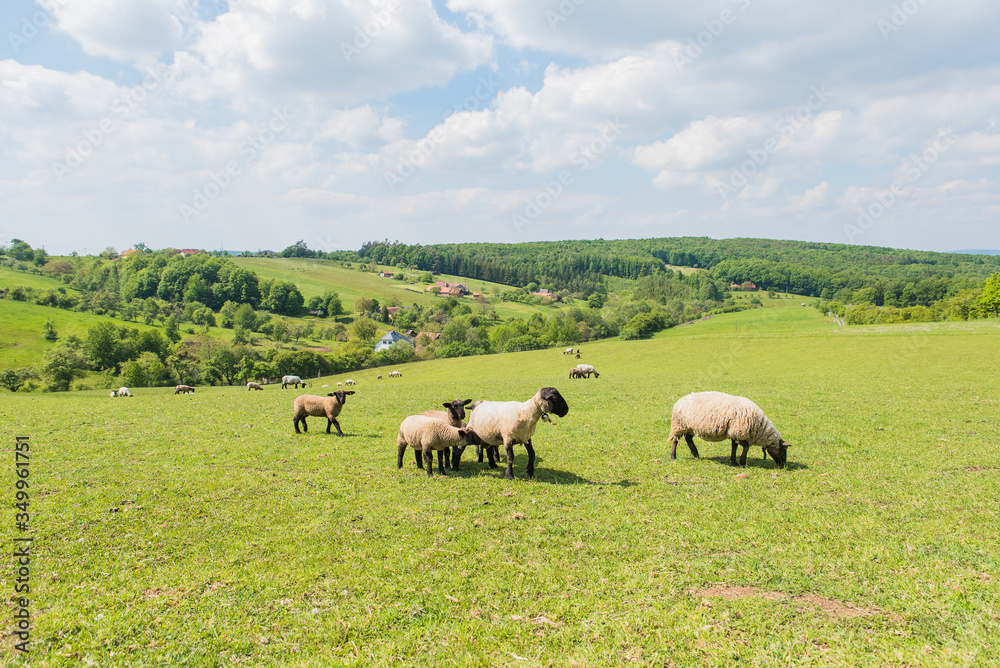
427, 434
123, 392
513, 422
292, 380
254, 386
568, 351
186, 389
453, 415
114, 393
378, 377
340, 384
587, 369
716, 416
328, 406
395, 374
326, 386
577, 373
349, 382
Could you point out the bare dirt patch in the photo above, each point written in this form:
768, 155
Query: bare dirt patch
832, 607
319, 349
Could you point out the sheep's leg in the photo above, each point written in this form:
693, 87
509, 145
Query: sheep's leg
743, 456
401, 448
456, 456
496, 452
305, 427
531, 458
732, 456
479, 454
296, 423
690, 442
489, 453
336, 424
510, 461
429, 459
442, 455
673, 451
418, 456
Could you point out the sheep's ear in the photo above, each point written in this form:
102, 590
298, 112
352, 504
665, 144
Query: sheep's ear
331, 394
467, 402
349, 392
783, 443
447, 404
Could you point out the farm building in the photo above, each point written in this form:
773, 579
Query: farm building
390, 340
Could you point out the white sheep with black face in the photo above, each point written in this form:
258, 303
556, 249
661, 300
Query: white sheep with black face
426, 435
292, 380
453, 415
508, 423
716, 416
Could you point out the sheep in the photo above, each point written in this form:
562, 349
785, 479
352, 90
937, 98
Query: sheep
123, 392
576, 373
114, 393
568, 351
326, 386
587, 369
394, 374
253, 386
349, 382
426, 434
716, 416
453, 415
378, 377
292, 380
340, 384
186, 389
328, 406
513, 422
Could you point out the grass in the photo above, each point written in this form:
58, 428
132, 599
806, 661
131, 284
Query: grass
10, 278
200, 530
313, 277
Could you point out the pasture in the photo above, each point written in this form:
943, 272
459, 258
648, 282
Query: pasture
200, 530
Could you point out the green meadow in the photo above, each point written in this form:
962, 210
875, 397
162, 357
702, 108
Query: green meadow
201, 530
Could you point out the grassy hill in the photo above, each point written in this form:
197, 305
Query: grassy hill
201, 530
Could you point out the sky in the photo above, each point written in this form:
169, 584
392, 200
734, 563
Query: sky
251, 124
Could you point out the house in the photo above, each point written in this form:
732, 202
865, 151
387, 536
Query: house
385, 274
126, 253
542, 292
449, 289
410, 334
433, 336
393, 310
389, 340
186, 252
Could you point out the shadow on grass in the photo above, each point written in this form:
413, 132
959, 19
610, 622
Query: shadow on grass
756, 463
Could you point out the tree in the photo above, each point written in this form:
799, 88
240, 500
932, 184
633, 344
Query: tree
245, 318
50, 331
989, 300
171, 329
62, 366
364, 329
15, 380
103, 345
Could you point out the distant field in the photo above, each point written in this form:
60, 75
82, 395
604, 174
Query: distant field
200, 530
10, 278
316, 276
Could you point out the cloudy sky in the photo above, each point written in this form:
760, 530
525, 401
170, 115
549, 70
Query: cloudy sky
250, 124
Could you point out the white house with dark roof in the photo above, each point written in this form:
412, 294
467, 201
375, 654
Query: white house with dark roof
390, 340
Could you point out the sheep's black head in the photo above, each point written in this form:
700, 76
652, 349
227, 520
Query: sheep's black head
340, 395
456, 408
469, 437
779, 452
552, 401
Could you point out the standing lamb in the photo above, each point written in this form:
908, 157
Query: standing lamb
328, 406
587, 370
577, 373
185, 389
254, 386
716, 416
292, 380
427, 434
453, 415
513, 422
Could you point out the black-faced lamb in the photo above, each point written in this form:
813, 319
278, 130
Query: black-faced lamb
292, 380
328, 407
454, 414
425, 435
576, 373
183, 389
512, 422
716, 416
